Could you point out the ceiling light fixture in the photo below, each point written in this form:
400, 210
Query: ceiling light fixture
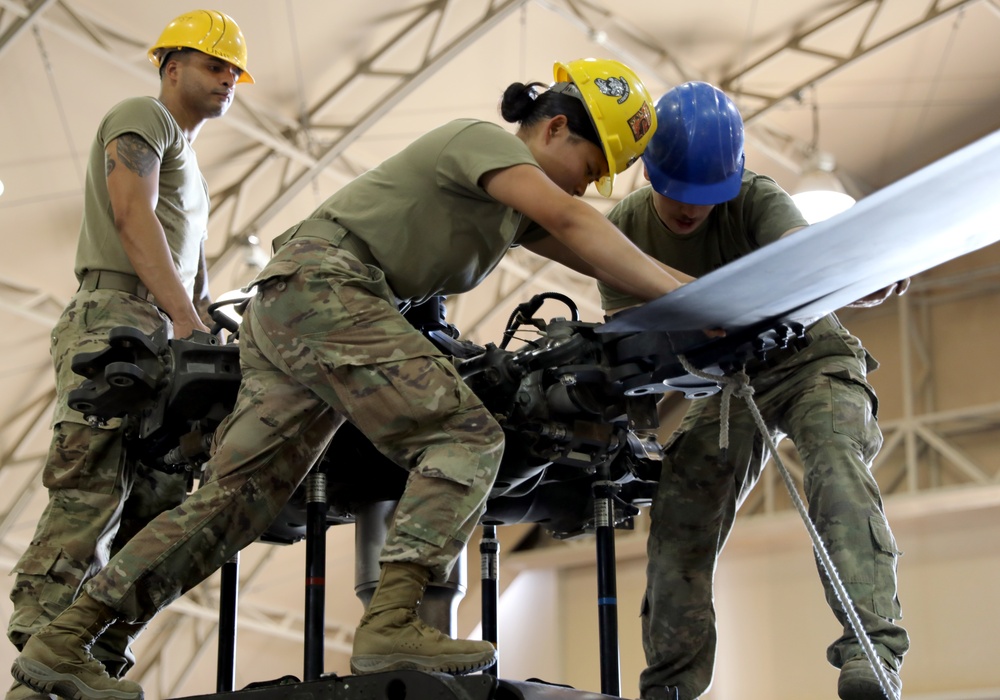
819, 193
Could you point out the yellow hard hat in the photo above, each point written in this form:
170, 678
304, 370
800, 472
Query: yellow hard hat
208, 31
620, 107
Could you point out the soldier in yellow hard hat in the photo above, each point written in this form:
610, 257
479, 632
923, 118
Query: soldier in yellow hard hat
140, 263
619, 108
209, 32
323, 341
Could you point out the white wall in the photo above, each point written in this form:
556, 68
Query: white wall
774, 625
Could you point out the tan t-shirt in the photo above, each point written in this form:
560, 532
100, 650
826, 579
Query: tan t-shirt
424, 215
758, 215
182, 206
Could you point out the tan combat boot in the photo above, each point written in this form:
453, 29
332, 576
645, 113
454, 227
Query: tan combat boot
858, 681
114, 647
57, 658
19, 691
391, 637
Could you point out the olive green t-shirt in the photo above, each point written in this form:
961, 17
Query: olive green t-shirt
758, 215
425, 217
182, 206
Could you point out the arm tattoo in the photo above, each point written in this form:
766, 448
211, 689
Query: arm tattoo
109, 164
136, 155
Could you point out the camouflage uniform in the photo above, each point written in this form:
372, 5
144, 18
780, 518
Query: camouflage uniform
96, 499
321, 341
819, 397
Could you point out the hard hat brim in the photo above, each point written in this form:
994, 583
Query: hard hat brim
694, 193
156, 52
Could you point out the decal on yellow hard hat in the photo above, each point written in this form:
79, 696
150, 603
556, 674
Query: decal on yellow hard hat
619, 106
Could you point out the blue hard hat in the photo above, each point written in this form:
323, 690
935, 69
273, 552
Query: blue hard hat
696, 155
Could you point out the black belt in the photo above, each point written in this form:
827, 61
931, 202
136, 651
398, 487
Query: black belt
118, 281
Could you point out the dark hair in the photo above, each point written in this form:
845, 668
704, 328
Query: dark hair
173, 53
532, 103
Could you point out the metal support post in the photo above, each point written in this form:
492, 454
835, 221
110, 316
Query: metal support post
489, 552
316, 508
607, 589
225, 678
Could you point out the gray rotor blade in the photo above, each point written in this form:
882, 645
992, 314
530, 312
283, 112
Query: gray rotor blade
943, 211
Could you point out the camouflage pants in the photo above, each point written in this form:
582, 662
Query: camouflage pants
826, 408
97, 500
321, 341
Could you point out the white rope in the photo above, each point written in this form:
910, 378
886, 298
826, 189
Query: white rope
739, 384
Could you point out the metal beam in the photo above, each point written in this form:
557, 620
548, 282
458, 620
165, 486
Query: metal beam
797, 45
921, 444
87, 44
18, 26
408, 81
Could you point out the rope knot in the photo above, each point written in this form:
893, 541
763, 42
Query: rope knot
742, 387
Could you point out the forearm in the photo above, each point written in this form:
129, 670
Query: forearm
615, 259
202, 296
133, 175
681, 277
626, 286
582, 229
145, 245
553, 249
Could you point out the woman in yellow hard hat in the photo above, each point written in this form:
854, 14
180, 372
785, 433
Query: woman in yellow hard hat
323, 341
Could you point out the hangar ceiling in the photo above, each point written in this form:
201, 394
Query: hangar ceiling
884, 86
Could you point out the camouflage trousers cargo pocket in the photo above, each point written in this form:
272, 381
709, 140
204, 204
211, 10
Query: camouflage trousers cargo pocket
439, 493
885, 602
854, 408
83, 327
84, 458
431, 423
46, 583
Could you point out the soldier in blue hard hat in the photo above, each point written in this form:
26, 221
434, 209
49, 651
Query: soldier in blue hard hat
703, 210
